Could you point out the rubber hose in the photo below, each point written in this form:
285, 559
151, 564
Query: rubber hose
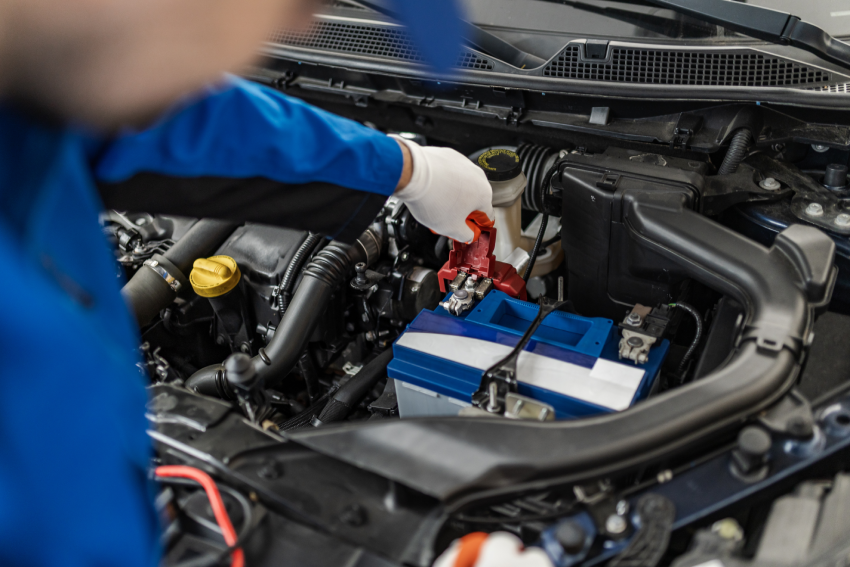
294, 268
352, 392
322, 276
697, 338
147, 293
295, 328
739, 148
202, 240
210, 381
544, 222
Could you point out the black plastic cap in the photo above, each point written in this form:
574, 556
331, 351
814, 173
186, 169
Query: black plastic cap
571, 536
500, 165
754, 441
239, 371
836, 176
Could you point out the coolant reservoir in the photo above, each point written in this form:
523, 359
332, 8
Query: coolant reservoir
503, 170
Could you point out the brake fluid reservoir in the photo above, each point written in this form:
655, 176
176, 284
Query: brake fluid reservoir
503, 170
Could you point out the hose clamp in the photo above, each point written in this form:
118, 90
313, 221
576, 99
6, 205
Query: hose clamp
169, 279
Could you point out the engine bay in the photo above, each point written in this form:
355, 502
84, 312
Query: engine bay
627, 314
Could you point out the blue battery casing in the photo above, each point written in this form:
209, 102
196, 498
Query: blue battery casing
441, 352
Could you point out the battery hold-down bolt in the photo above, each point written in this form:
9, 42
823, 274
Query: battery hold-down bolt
842, 220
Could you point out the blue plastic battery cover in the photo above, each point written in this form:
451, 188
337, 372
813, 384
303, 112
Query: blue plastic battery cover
571, 362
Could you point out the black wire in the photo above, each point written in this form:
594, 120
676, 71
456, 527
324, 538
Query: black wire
244, 533
537, 244
545, 185
551, 241
695, 343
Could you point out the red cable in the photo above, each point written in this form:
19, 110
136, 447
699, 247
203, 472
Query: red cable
220, 512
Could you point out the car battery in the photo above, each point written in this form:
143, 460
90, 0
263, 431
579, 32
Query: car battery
571, 362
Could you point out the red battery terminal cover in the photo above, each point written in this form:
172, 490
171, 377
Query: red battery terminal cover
477, 259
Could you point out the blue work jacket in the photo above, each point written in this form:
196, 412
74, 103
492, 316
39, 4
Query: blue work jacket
73, 449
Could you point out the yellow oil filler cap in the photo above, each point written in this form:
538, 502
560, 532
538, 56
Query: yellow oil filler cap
215, 276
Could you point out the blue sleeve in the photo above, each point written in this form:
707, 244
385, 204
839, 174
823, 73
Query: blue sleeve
244, 130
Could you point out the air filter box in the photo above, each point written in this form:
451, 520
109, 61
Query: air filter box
571, 363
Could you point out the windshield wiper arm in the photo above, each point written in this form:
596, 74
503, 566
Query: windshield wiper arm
480, 39
765, 24
654, 23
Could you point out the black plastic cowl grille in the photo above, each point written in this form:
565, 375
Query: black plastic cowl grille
360, 39
694, 67
685, 67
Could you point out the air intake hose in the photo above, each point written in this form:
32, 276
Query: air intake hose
322, 277
156, 284
739, 147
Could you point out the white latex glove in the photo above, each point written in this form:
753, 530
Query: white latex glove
444, 189
500, 549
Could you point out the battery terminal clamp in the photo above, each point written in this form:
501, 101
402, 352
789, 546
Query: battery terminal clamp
473, 271
642, 328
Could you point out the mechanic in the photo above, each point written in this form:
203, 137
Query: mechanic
73, 485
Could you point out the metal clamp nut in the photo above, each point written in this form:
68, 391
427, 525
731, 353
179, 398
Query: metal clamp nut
169, 279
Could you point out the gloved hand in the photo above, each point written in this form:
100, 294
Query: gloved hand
499, 549
444, 189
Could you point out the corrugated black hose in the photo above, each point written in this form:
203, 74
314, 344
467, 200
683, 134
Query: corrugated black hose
294, 268
739, 147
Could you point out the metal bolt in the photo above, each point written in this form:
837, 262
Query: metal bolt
635, 342
814, 210
360, 268
820, 148
622, 507
633, 319
616, 525
770, 184
405, 256
245, 347
728, 529
842, 220
493, 402
563, 154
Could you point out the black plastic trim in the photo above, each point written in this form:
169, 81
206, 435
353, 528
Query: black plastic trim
507, 77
